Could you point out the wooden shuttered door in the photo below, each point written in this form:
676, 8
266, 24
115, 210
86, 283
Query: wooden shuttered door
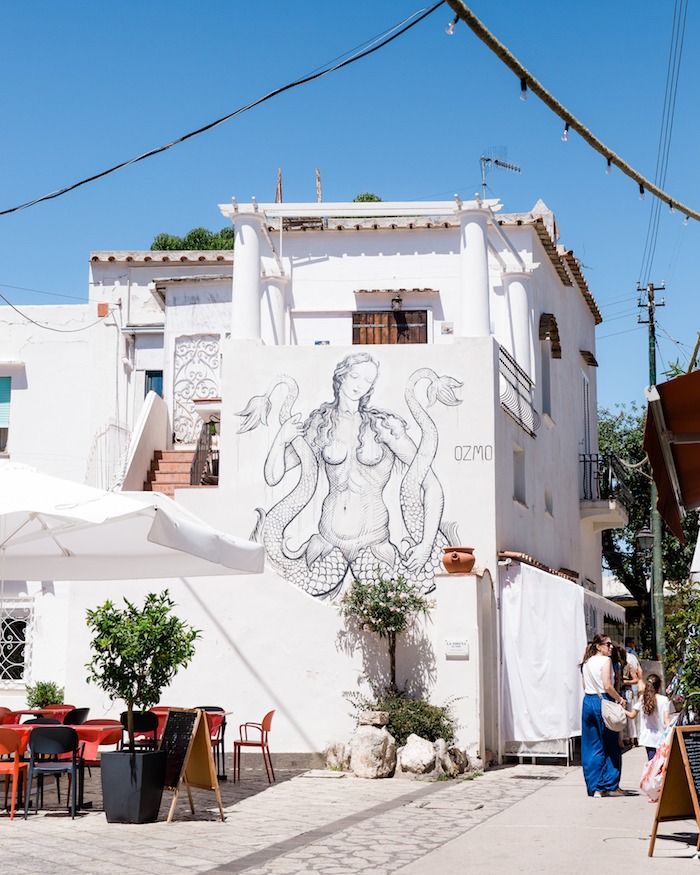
390, 326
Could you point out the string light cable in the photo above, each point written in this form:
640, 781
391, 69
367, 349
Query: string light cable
528, 82
49, 327
393, 33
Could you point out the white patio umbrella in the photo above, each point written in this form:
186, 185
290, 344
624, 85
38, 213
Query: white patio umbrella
54, 529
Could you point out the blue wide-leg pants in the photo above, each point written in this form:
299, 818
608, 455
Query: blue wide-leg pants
601, 756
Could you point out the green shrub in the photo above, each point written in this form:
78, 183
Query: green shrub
407, 715
43, 693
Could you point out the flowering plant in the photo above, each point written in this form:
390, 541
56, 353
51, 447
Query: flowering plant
386, 606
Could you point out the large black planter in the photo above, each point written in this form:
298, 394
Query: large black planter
132, 785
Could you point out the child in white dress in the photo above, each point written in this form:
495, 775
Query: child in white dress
654, 714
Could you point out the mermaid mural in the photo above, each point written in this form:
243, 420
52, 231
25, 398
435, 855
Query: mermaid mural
358, 447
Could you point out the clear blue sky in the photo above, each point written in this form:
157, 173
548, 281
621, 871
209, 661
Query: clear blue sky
87, 85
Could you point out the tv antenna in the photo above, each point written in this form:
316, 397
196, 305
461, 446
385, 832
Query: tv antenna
489, 161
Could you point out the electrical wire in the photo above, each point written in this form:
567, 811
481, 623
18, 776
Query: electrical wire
40, 292
48, 327
394, 34
675, 54
528, 81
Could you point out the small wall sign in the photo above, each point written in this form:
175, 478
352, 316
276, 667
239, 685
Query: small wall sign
456, 648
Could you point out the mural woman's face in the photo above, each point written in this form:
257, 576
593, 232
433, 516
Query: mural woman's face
358, 381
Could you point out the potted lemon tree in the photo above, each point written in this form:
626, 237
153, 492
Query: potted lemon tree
136, 653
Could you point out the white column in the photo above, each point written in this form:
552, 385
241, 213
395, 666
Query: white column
245, 316
274, 306
517, 287
475, 316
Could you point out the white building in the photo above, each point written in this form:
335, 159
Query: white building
471, 418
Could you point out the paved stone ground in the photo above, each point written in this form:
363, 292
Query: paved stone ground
520, 818
302, 823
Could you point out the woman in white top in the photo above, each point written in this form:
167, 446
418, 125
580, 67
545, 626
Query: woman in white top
601, 756
654, 715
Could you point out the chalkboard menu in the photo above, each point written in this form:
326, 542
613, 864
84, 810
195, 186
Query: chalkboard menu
692, 749
680, 790
176, 739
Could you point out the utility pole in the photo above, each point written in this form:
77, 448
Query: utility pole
657, 575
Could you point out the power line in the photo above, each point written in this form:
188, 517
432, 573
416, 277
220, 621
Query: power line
395, 32
49, 327
666, 131
528, 81
41, 292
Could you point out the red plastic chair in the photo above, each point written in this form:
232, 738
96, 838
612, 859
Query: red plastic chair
10, 744
244, 741
216, 724
3, 714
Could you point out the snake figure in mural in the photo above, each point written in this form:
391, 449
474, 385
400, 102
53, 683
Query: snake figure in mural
358, 447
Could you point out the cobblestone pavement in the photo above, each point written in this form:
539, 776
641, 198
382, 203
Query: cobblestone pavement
305, 822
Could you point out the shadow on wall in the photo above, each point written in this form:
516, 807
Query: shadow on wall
415, 659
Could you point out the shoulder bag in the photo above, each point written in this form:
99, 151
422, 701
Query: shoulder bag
614, 716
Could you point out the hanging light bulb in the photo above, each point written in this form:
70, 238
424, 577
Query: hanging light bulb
450, 29
565, 135
523, 89
685, 221
642, 193
608, 169
671, 208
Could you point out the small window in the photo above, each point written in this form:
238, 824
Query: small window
519, 493
15, 626
5, 385
546, 379
548, 501
154, 382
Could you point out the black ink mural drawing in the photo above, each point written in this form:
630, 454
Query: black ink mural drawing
358, 447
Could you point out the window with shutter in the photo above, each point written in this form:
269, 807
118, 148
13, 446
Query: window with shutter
5, 384
390, 326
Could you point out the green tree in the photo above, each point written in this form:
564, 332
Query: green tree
138, 651
366, 197
386, 607
683, 643
195, 239
620, 431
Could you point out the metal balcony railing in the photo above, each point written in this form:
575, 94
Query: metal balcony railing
516, 393
603, 477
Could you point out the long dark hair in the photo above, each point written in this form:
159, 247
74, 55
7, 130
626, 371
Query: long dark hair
320, 425
653, 685
592, 647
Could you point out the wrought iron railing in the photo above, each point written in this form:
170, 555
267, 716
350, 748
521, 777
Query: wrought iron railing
516, 393
603, 477
201, 455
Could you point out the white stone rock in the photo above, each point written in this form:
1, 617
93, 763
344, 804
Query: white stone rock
418, 755
373, 718
337, 756
443, 761
372, 752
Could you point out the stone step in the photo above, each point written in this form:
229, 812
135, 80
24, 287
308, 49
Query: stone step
172, 467
179, 477
173, 455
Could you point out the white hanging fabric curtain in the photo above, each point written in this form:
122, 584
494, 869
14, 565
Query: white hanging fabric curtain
543, 633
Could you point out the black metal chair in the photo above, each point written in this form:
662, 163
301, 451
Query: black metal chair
53, 743
76, 717
145, 730
217, 728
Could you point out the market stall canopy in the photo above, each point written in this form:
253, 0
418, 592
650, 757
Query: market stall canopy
672, 443
54, 529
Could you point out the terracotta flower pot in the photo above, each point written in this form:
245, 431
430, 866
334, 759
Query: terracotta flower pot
458, 560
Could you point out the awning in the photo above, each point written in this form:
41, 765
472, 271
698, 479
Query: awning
672, 443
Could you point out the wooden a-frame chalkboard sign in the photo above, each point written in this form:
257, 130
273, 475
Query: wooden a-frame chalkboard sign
680, 789
187, 744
